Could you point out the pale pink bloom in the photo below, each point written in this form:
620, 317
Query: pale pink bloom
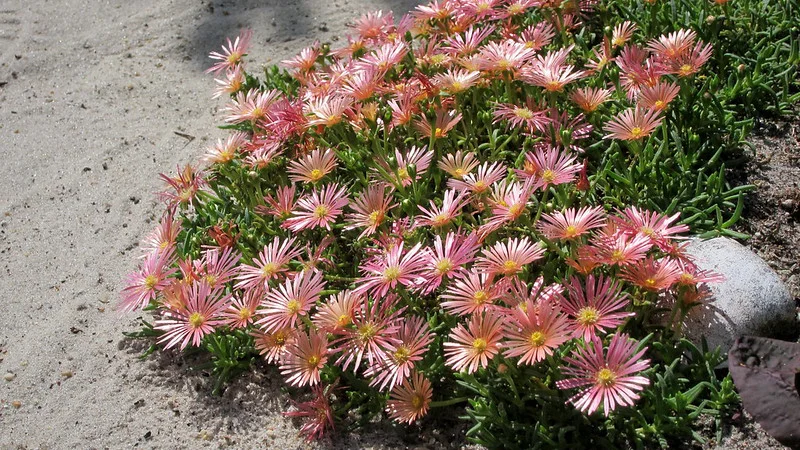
622, 33
384, 58
409, 401
272, 345
551, 71
232, 54
655, 226
152, 277
509, 257
271, 263
513, 8
478, 10
371, 208
338, 312
436, 9
395, 367
327, 111
637, 70
659, 96
447, 259
231, 84
418, 158
319, 209
652, 274
372, 334
571, 223
467, 43
217, 266
550, 167
284, 305
186, 185
396, 267
456, 80
445, 121
673, 45
596, 306
436, 216
480, 182
471, 294
589, 99
518, 293
691, 275
198, 317
690, 63
305, 60
472, 347
459, 164
528, 117
537, 36
361, 84
374, 25
304, 358
504, 56
282, 205
621, 248
633, 124
535, 331
430, 54
602, 56
317, 414
609, 375
163, 237
241, 310
510, 206
250, 106
403, 108
262, 152
313, 166
224, 152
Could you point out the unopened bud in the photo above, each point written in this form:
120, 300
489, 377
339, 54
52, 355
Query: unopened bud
710, 19
741, 68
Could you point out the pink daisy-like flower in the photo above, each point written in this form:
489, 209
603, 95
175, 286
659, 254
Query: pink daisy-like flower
518, 293
272, 344
163, 237
609, 375
535, 331
633, 124
622, 33
144, 285
537, 36
327, 111
217, 266
370, 209
372, 334
436, 9
652, 274
447, 259
319, 209
551, 71
690, 63
621, 248
231, 84
338, 312
282, 204
305, 60
224, 152
285, 304
589, 99
251, 106
418, 158
549, 167
313, 166
691, 275
395, 267
445, 121
384, 57
504, 56
467, 43
396, 366
456, 80
304, 358
529, 117
317, 414
595, 306
659, 96
509, 258
242, 308
571, 223
671, 46
440, 216
657, 227
231, 56
410, 400
186, 185
510, 206
474, 346
197, 318
602, 56
270, 264
471, 294
459, 164
481, 181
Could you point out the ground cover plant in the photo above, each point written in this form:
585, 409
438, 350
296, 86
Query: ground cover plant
481, 203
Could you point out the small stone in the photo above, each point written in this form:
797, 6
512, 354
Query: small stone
16, 404
67, 374
9, 376
751, 300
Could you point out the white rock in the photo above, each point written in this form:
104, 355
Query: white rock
752, 300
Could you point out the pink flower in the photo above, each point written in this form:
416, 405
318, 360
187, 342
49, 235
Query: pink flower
241, 310
231, 56
480, 182
224, 152
251, 106
304, 358
459, 164
474, 346
551, 71
609, 375
535, 331
282, 204
589, 99
529, 117
305, 60
451, 208
657, 227
197, 318
571, 223
272, 344
445, 121
372, 334
186, 185
317, 414
537, 36
217, 266
468, 42
396, 366
338, 312
621, 248
447, 259
504, 56
285, 304
659, 96
410, 401
371, 208
418, 158
144, 285
595, 306
510, 207
652, 274
509, 258
384, 273
271, 263
471, 294
550, 167
622, 33
313, 166
319, 209
327, 111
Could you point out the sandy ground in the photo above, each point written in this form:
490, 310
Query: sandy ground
92, 97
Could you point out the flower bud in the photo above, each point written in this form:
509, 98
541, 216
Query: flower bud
710, 19
741, 68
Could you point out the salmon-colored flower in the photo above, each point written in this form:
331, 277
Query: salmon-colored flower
471, 294
231, 56
652, 274
270, 264
409, 401
509, 257
317, 414
242, 309
304, 358
285, 304
535, 331
589, 99
459, 164
571, 223
272, 344
371, 336
436, 216
396, 267
597, 305
633, 124
472, 347
658, 97
622, 33
371, 208
447, 258
144, 285
313, 166
396, 366
190, 322
338, 312
445, 121
319, 209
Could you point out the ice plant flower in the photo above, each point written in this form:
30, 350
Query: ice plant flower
317, 414
610, 375
550, 167
633, 124
396, 267
242, 309
459, 164
284, 305
282, 204
656, 227
338, 312
471, 294
319, 209
396, 366
652, 274
312, 167
572, 223
509, 257
144, 285
595, 306
622, 33
448, 258
231, 56
198, 317
589, 99
372, 335
304, 358
163, 237
410, 400
272, 344
436, 216
270, 264
658, 97
481, 181
535, 331
528, 117
620, 248
186, 185
473, 346
370, 209
445, 121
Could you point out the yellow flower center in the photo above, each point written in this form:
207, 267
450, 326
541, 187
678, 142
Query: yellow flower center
685, 70
150, 281
211, 280
647, 231
403, 174
375, 218
588, 316
257, 112
443, 266
391, 273
333, 119
280, 337
402, 354
523, 113
293, 306
686, 278
515, 210
315, 175
344, 320
269, 269
459, 173
636, 132
245, 313
321, 211
510, 267
367, 332
480, 297
480, 186
650, 282
313, 360
515, 9
504, 64
617, 41
548, 175
438, 59
605, 377
440, 220
417, 401
457, 86
571, 231
537, 339
196, 320
553, 86
659, 104
480, 345
438, 132
617, 256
